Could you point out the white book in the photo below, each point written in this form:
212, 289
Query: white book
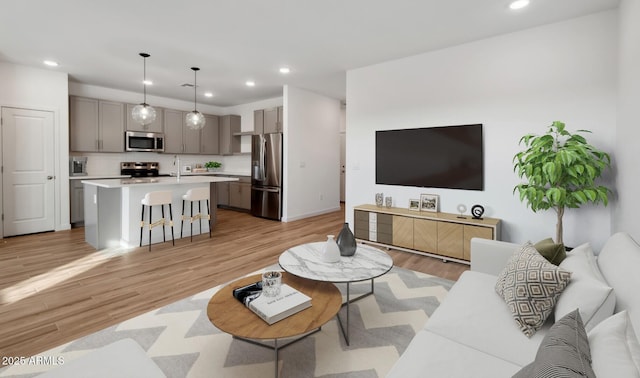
287, 303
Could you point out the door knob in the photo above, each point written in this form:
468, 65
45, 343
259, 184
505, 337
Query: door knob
50, 177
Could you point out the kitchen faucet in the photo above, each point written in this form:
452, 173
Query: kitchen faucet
176, 162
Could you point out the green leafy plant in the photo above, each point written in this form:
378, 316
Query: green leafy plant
212, 164
560, 170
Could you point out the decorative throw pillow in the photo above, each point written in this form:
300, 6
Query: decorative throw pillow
553, 252
587, 291
614, 347
530, 285
563, 352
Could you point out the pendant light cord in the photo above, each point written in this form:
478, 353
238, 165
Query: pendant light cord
195, 85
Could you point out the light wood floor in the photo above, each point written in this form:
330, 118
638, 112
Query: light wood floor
54, 287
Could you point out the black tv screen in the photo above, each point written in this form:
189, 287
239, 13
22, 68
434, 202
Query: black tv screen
431, 157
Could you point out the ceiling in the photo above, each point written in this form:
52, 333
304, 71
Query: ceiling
232, 41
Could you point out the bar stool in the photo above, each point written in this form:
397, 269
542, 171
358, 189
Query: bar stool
192, 195
151, 199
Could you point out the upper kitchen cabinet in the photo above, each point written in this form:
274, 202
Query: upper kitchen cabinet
156, 126
267, 121
96, 125
178, 138
230, 134
210, 137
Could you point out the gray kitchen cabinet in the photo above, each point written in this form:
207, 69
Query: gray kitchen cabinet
223, 193
96, 125
156, 126
267, 121
240, 194
178, 138
229, 138
210, 136
77, 202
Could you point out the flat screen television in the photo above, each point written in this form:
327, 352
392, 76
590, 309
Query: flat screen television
431, 157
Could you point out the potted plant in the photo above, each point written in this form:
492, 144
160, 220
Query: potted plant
560, 170
212, 165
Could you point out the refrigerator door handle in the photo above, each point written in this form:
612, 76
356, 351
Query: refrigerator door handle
272, 190
263, 159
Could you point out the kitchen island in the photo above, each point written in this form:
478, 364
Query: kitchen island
112, 208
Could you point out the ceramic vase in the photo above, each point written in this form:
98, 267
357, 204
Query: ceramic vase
346, 241
331, 252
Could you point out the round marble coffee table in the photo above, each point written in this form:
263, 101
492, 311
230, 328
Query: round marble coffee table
366, 264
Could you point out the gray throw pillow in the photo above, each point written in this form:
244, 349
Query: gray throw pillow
564, 352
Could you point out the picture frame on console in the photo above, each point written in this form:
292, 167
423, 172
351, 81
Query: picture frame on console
414, 204
429, 202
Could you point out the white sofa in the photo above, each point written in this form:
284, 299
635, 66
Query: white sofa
473, 333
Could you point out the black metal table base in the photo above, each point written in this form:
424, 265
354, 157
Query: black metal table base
275, 347
345, 333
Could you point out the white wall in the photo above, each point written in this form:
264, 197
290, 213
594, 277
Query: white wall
32, 88
311, 154
627, 178
514, 84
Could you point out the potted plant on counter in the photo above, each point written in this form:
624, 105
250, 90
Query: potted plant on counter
212, 166
560, 170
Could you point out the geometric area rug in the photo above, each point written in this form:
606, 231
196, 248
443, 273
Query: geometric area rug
182, 342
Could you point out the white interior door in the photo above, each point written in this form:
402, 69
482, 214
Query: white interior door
28, 190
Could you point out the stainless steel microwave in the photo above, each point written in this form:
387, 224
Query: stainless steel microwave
144, 141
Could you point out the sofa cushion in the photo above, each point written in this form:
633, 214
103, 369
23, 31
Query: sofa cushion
530, 285
474, 315
619, 260
553, 252
587, 290
432, 355
564, 352
614, 348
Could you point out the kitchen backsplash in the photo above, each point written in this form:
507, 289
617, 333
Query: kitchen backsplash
109, 163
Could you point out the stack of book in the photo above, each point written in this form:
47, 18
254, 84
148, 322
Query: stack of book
272, 309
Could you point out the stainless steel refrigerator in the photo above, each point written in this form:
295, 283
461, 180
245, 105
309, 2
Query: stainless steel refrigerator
266, 176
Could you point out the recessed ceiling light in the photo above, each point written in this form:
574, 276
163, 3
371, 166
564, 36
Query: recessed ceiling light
50, 63
250, 83
208, 94
518, 4
284, 70
147, 82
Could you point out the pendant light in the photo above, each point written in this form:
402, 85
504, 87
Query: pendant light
144, 113
195, 120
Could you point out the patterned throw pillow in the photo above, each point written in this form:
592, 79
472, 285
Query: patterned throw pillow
530, 285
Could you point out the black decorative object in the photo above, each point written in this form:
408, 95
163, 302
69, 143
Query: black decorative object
346, 241
477, 211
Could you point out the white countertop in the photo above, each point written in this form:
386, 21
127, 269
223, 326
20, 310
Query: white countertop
126, 182
222, 173
95, 177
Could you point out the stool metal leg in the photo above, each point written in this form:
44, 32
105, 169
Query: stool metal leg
208, 218
182, 220
173, 240
141, 225
164, 233
150, 220
191, 222
200, 215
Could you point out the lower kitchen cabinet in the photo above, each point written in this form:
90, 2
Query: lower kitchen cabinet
435, 234
76, 191
235, 194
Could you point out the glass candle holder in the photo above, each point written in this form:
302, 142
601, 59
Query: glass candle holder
271, 283
388, 201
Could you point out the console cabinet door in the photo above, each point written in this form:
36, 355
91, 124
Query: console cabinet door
403, 231
474, 232
361, 227
450, 239
425, 235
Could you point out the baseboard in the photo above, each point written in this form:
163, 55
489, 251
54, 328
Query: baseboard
308, 215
